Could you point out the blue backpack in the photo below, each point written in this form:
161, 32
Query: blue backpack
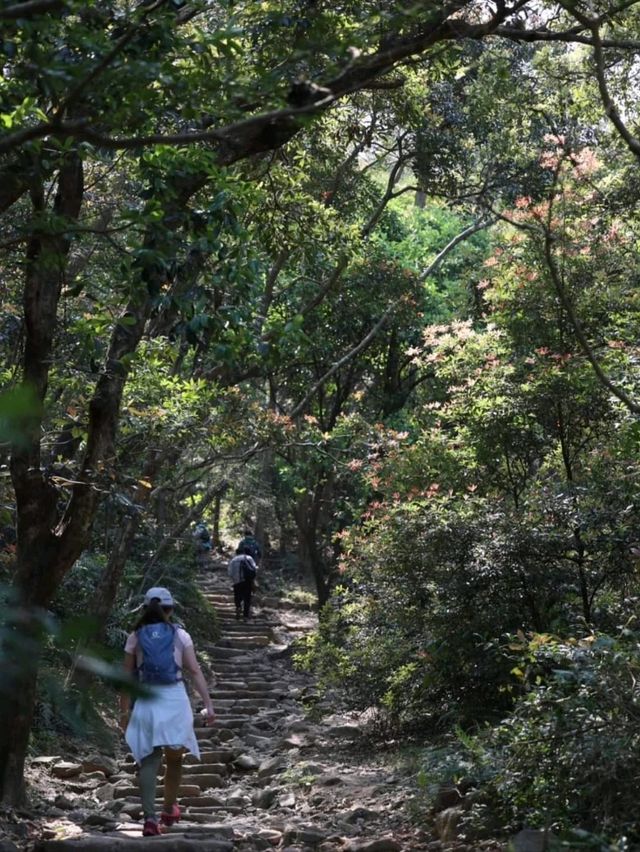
157, 642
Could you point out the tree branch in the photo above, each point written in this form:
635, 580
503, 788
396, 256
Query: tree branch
299, 408
565, 301
30, 8
459, 238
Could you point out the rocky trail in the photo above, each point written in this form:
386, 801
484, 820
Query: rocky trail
272, 776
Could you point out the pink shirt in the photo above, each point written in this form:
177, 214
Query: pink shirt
183, 640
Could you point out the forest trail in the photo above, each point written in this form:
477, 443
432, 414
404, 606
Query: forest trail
272, 775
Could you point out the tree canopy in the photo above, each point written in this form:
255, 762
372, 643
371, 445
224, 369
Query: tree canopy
366, 272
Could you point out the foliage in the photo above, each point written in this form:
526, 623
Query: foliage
559, 759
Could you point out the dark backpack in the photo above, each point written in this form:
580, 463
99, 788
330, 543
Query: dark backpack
157, 642
251, 546
247, 571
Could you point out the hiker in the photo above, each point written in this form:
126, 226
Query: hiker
251, 542
158, 651
203, 543
242, 569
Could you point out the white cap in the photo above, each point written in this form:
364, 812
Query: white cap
160, 592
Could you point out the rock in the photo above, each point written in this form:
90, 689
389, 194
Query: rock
63, 802
104, 793
382, 844
359, 813
451, 794
330, 780
532, 840
8, 846
100, 820
78, 786
287, 801
45, 760
270, 767
264, 798
447, 822
272, 836
109, 843
100, 763
294, 741
278, 652
258, 742
97, 775
304, 834
66, 769
351, 732
132, 809
246, 761
298, 726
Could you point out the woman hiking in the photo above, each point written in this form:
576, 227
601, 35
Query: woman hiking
159, 651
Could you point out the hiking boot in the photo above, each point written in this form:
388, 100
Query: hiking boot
150, 828
171, 816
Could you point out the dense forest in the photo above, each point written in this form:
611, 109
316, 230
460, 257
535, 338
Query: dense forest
363, 276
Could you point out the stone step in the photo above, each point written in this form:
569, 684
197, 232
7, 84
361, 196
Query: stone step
112, 841
244, 642
209, 757
212, 814
221, 724
232, 625
253, 687
201, 802
209, 815
241, 666
206, 769
204, 781
244, 703
219, 652
233, 695
183, 790
189, 770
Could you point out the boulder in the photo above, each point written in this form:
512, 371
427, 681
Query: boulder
447, 823
270, 767
532, 840
104, 793
264, 798
306, 835
100, 763
45, 760
66, 769
382, 844
246, 761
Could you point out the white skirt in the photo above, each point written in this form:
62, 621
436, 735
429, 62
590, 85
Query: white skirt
163, 719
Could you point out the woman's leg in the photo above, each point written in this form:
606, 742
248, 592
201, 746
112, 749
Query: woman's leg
172, 776
148, 777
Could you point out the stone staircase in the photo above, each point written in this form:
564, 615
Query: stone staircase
255, 787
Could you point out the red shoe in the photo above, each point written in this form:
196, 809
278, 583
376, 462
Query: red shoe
150, 828
168, 818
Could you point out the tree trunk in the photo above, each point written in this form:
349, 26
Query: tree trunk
52, 533
215, 534
307, 516
110, 578
182, 525
16, 711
